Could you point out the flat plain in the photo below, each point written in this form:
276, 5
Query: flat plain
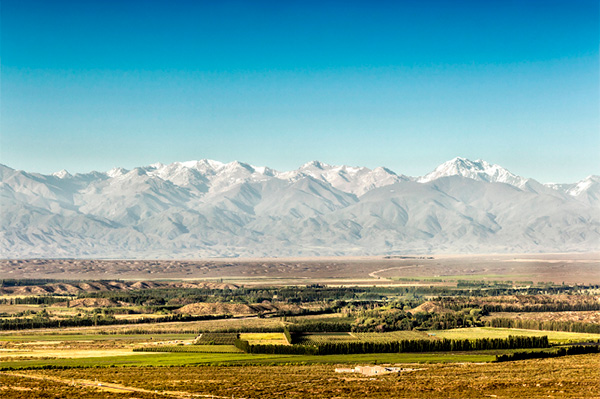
154, 329
396, 270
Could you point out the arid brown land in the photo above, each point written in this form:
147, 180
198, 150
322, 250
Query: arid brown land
569, 268
568, 377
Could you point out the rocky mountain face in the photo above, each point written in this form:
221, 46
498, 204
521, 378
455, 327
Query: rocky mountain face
207, 208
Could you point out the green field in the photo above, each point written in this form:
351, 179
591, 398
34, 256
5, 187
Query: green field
216, 339
320, 338
181, 359
392, 336
555, 337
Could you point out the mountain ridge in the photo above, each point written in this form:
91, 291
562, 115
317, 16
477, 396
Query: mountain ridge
208, 208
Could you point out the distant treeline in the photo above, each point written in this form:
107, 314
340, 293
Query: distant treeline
496, 284
320, 326
545, 307
418, 345
528, 303
10, 282
314, 293
381, 320
298, 294
96, 320
35, 300
568, 326
571, 350
306, 312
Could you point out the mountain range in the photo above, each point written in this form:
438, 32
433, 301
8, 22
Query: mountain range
207, 208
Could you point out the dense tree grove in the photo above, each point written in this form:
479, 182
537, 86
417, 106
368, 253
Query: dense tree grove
22, 282
381, 320
418, 345
320, 326
304, 294
42, 321
34, 300
524, 303
569, 326
571, 350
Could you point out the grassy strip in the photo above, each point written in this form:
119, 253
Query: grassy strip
231, 359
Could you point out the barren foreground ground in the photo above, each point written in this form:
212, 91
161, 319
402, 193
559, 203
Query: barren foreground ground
568, 268
569, 377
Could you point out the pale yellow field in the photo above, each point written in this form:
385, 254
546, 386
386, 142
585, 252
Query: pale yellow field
11, 354
264, 338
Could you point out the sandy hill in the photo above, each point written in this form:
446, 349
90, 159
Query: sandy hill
208, 308
429, 307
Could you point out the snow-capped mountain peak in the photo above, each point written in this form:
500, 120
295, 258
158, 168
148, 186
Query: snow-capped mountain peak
62, 174
586, 190
477, 170
583, 185
314, 165
116, 172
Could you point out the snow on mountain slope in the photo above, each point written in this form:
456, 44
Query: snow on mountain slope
355, 180
586, 190
476, 170
208, 208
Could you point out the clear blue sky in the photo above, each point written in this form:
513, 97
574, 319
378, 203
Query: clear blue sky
89, 85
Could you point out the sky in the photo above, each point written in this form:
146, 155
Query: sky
91, 85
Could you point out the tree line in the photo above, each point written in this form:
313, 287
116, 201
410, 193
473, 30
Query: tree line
544, 307
549, 325
319, 326
35, 300
413, 345
95, 320
571, 350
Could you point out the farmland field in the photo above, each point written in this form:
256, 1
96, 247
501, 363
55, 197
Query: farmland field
139, 359
264, 338
356, 336
215, 339
171, 344
189, 349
